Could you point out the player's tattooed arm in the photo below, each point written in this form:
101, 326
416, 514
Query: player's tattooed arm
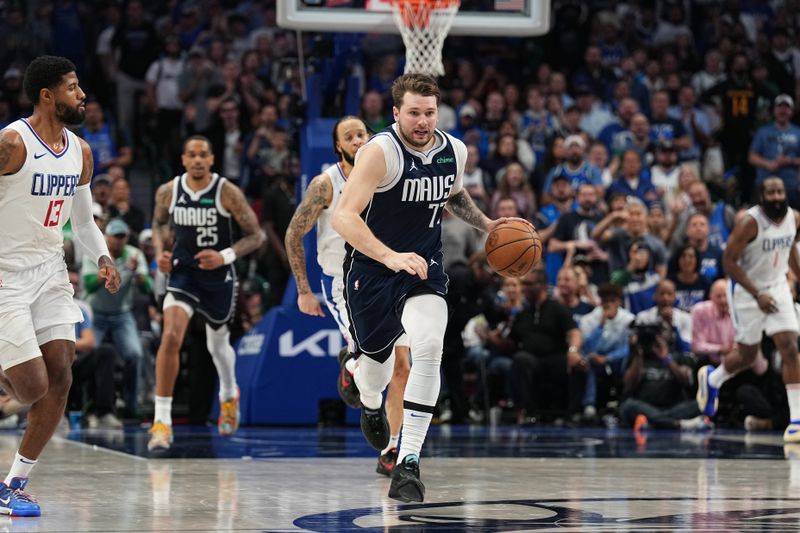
317, 198
88, 163
12, 152
461, 205
234, 201
162, 233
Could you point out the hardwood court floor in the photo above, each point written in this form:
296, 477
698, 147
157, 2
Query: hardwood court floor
478, 480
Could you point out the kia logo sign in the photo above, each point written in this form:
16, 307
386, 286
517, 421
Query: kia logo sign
325, 342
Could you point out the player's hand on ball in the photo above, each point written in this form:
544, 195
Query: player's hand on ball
165, 262
309, 304
494, 223
209, 259
408, 262
109, 272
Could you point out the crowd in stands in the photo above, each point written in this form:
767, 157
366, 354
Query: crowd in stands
631, 135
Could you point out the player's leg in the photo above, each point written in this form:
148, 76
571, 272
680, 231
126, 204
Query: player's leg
372, 375
218, 342
394, 406
424, 319
177, 314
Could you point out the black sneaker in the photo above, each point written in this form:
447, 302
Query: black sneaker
406, 485
386, 462
375, 427
346, 384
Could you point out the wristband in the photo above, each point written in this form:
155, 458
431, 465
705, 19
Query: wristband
228, 256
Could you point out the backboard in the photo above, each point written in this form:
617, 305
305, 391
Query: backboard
521, 18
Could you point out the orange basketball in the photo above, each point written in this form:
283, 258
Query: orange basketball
513, 249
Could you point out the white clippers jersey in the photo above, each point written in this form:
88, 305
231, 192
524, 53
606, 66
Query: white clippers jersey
330, 245
36, 202
766, 258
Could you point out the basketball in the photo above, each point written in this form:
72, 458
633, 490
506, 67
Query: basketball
513, 249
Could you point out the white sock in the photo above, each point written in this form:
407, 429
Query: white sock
351, 365
372, 378
719, 376
21, 468
219, 346
163, 410
393, 441
424, 319
793, 395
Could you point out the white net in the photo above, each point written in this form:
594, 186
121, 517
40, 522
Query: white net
424, 25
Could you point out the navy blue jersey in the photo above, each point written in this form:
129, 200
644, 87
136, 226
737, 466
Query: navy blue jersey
405, 212
199, 220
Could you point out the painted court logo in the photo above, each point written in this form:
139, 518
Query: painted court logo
578, 514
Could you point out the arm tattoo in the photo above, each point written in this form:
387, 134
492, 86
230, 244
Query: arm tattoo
6, 149
315, 200
162, 232
462, 206
88, 164
234, 201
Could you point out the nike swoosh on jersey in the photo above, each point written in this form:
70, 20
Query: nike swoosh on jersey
38, 156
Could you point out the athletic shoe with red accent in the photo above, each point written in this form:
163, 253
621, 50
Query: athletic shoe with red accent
14, 501
229, 416
160, 440
346, 384
386, 462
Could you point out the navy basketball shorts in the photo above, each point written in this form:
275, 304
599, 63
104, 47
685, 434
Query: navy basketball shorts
212, 293
375, 305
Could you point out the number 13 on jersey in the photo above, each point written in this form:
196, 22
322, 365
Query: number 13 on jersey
53, 215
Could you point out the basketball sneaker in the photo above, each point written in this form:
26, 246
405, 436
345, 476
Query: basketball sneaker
792, 433
386, 462
406, 485
14, 501
229, 416
160, 439
346, 384
375, 427
706, 394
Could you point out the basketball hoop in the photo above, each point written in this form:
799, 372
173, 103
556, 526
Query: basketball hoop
424, 25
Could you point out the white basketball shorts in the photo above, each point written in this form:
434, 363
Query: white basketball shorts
36, 307
750, 321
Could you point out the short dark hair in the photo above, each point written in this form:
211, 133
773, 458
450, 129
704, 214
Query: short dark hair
198, 138
416, 83
45, 72
608, 291
335, 133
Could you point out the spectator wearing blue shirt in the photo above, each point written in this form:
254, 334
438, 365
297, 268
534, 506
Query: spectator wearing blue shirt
696, 122
775, 150
631, 181
662, 126
562, 203
467, 130
638, 279
575, 169
627, 108
536, 124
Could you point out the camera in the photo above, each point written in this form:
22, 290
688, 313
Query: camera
645, 336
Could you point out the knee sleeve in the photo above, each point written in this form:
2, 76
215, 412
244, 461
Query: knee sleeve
372, 378
425, 320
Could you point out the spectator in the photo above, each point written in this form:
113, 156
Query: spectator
684, 270
110, 145
614, 135
632, 181
459, 240
257, 142
638, 280
775, 150
475, 180
101, 191
664, 174
468, 130
713, 72
662, 126
710, 254
494, 112
695, 121
637, 138
605, 334
657, 224
713, 334
721, 217
198, 78
537, 124
524, 152
594, 115
503, 153
547, 369
227, 137
576, 169
783, 63
594, 75
163, 94
514, 183
676, 323
568, 294
372, 111
599, 157
112, 312
120, 206
574, 229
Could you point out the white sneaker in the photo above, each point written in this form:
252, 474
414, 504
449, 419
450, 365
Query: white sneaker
110, 421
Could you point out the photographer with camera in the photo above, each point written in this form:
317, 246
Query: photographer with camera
656, 383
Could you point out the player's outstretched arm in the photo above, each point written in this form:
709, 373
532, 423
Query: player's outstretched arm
317, 198
461, 205
162, 233
84, 227
234, 201
367, 173
12, 152
744, 232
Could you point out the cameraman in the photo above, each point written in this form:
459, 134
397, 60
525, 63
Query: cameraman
655, 385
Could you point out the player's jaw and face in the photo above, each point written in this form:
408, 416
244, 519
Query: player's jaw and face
350, 136
416, 120
70, 101
197, 159
773, 198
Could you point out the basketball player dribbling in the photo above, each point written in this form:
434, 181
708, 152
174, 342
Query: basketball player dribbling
193, 241
45, 173
349, 134
759, 254
390, 214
